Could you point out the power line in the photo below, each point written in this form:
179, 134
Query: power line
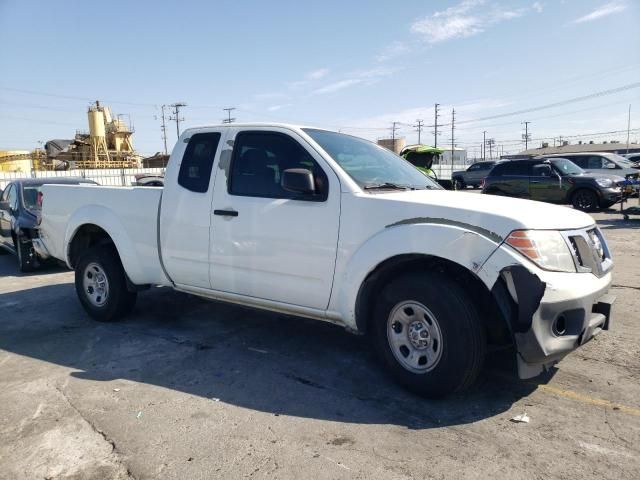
601, 93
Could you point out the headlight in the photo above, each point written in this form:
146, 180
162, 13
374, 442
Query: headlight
546, 248
604, 182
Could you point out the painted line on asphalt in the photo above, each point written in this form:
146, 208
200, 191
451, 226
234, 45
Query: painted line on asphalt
584, 398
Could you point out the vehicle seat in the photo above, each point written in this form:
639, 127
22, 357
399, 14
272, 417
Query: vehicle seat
255, 175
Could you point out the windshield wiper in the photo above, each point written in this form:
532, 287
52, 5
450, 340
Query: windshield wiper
387, 186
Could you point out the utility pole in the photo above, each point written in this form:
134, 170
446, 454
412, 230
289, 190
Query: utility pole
435, 124
484, 145
229, 119
394, 127
453, 144
628, 127
176, 115
491, 142
164, 129
420, 124
525, 136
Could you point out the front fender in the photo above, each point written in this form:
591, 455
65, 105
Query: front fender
467, 247
105, 219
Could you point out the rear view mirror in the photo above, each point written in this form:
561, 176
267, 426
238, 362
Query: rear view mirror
298, 180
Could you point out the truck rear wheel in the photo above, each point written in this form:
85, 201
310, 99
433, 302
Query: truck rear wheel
428, 333
101, 284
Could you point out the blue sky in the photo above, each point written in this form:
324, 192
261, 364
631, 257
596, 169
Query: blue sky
355, 66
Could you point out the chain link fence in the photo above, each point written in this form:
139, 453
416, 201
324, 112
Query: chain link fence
115, 177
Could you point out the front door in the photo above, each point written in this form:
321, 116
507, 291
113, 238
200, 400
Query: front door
545, 185
266, 242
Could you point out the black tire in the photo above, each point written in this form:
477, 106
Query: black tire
118, 301
463, 342
27, 260
458, 184
585, 200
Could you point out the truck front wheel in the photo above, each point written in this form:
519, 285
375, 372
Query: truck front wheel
428, 333
101, 284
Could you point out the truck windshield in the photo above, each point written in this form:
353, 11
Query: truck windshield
567, 167
369, 165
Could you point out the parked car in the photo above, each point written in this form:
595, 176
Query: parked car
606, 163
634, 158
149, 180
554, 180
472, 176
19, 209
332, 227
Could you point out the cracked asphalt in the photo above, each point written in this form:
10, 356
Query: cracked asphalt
191, 389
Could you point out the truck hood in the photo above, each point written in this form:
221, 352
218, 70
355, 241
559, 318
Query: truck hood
493, 216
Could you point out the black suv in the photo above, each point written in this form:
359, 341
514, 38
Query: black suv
555, 180
473, 175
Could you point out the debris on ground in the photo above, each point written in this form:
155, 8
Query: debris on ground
524, 418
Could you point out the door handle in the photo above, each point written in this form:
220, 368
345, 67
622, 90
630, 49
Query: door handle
226, 213
535, 181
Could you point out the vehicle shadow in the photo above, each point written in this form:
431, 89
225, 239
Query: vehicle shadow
262, 361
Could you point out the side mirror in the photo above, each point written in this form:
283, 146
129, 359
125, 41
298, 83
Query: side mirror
611, 166
4, 206
298, 180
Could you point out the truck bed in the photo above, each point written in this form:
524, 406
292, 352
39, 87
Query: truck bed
129, 214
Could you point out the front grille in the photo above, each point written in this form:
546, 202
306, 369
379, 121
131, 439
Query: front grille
589, 250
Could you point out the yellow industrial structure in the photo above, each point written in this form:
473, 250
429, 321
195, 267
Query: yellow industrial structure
107, 144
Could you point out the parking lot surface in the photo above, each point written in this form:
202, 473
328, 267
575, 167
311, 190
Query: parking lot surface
187, 388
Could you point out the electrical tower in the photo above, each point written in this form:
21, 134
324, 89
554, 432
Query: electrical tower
229, 119
419, 125
526, 136
176, 115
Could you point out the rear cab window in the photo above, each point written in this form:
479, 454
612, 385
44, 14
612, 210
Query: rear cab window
197, 162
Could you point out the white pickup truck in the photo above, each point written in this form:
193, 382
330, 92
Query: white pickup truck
328, 226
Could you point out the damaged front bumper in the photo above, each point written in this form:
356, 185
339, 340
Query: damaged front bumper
549, 314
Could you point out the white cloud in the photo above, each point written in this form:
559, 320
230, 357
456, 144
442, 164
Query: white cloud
364, 77
538, 6
603, 11
394, 49
339, 85
269, 96
317, 74
463, 20
275, 108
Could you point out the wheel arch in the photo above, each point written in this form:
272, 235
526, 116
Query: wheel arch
494, 322
95, 225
